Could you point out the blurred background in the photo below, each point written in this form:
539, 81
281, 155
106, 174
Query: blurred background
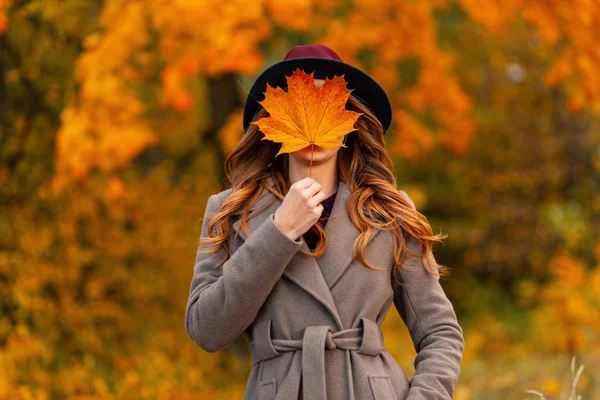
116, 118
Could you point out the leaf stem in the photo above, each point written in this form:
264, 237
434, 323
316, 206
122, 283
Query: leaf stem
312, 151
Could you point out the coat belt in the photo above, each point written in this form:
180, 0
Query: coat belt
309, 357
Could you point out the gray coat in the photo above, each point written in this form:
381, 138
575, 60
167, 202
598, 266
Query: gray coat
314, 324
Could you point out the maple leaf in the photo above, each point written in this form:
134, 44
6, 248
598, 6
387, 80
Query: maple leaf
306, 115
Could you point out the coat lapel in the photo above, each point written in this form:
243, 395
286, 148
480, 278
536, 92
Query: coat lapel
341, 234
315, 275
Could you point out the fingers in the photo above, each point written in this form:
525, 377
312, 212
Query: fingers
310, 190
307, 188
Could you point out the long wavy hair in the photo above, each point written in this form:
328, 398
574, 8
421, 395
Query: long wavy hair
364, 166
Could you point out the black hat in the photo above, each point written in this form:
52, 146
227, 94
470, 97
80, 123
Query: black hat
326, 64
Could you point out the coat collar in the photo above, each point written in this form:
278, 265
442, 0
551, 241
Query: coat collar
316, 275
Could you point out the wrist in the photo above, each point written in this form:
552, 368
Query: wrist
283, 228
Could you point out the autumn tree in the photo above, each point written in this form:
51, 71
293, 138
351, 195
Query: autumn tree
116, 117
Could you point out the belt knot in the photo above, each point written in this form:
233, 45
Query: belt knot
366, 340
329, 343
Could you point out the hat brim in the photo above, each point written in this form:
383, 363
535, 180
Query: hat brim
361, 84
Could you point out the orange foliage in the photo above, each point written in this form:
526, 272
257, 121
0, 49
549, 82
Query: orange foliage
91, 278
213, 34
4, 5
414, 139
212, 37
576, 23
105, 127
292, 14
414, 38
230, 133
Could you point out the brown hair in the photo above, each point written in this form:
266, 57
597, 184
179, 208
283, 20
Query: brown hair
364, 166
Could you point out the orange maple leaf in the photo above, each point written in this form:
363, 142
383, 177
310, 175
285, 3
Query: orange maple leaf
306, 115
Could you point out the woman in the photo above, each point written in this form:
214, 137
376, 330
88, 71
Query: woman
308, 267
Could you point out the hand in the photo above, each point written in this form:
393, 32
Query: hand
300, 208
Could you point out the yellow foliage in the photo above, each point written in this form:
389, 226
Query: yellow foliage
552, 386
462, 392
92, 287
569, 309
490, 337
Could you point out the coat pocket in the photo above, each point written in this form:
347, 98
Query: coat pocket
267, 389
381, 386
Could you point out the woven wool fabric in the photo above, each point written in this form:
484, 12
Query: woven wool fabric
314, 324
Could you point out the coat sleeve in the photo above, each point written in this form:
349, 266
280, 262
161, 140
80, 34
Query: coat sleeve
223, 301
431, 320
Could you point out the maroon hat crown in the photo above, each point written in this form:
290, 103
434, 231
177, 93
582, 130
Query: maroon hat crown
312, 50
325, 63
